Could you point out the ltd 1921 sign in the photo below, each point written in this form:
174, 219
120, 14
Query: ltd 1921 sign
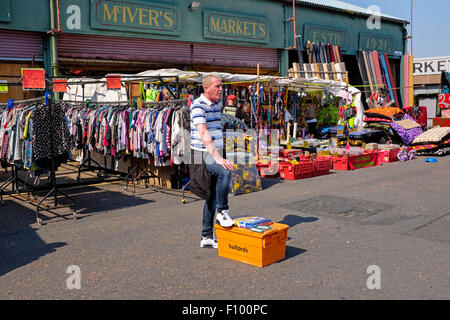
376, 42
135, 16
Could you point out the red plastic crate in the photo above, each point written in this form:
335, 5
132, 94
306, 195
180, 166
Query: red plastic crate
368, 159
269, 171
322, 166
305, 158
291, 153
340, 163
302, 170
388, 155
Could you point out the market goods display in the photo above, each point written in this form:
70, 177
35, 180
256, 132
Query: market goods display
384, 112
434, 135
407, 129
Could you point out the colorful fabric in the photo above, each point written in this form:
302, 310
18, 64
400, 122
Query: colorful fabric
374, 119
28, 146
434, 135
407, 135
418, 114
383, 112
444, 101
232, 123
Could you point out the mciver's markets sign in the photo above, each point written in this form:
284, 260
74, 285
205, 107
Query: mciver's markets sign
135, 16
428, 66
220, 25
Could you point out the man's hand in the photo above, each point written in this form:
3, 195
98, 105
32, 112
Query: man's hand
209, 145
225, 163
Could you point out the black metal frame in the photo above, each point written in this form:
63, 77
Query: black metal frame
54, 189
147, 176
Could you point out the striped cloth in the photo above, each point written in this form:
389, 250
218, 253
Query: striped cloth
204, 111
434, 135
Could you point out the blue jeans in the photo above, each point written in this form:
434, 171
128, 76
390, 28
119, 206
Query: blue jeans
220, 188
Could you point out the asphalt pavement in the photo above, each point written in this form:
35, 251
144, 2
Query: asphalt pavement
374, 233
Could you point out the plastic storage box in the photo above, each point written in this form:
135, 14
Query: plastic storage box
258, 249
291, 153
302, 170
340, 163
269, 171
355, 162
387, 155
322, 166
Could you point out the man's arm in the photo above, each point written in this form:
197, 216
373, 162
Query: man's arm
209, 145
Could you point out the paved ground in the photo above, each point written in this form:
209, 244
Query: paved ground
145, 245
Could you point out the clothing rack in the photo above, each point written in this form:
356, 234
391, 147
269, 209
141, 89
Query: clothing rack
11, 180
145, 173
54, 191
121, 102
14, 179
39, 99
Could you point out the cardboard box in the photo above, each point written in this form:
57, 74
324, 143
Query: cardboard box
258, 249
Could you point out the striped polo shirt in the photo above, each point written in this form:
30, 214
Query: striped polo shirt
204, 111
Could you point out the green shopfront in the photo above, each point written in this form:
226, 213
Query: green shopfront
100, 36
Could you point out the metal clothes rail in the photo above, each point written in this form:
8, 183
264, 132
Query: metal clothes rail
145, 173
54, 191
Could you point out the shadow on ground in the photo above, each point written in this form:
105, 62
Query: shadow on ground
292, 220
20, 243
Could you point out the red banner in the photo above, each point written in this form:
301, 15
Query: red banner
33, 78
114, 82
363, 161
59, 85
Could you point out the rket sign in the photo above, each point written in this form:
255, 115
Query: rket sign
427, 66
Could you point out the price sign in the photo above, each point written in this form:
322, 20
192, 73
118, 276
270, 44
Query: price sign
33, 79
3, 86
114, 82
59, 85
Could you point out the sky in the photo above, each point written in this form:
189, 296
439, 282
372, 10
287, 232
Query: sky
431, 23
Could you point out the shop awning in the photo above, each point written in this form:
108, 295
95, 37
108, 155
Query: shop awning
96, 91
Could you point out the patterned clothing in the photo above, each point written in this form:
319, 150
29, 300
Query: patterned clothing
50, 129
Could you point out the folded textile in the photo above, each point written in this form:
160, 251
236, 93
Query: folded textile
407, 124
407, 135
434, 135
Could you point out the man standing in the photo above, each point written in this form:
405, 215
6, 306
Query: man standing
244, 113
230, 108
207, 138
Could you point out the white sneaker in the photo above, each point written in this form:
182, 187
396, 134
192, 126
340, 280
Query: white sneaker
224, 219
208, 242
